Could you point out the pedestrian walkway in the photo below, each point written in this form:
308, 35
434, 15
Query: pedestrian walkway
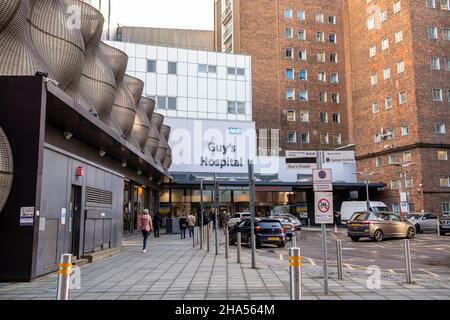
173, 269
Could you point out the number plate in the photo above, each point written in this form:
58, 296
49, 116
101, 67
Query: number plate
273, 238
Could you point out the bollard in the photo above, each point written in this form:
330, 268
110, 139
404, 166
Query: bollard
227, 242
238, 241
408, 262
339, 258
208, 236
253, 251
296, 276
193, 237
294, 240
197, 238
65, 269
438, 227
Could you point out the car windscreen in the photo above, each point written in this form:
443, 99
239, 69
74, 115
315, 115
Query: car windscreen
269, 224
246, 214
413, 215
360, 216
376, 209
237, 215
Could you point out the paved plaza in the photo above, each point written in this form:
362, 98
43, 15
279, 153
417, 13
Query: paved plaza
172, 269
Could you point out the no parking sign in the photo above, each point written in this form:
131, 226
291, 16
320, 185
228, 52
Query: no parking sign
324, 207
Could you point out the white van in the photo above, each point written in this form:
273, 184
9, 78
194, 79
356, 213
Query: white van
348, 208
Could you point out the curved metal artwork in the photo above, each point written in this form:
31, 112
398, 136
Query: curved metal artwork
59, 45
141, 125
167, 161
17, 55
158, 120
148, 106
6, 169
161, 152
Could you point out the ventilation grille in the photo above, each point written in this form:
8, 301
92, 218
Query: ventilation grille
98, 196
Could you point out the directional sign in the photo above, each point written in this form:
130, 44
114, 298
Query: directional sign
324, 207
322, 180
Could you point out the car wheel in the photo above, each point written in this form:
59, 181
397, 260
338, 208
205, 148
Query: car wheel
378, 235
410, 234
418, 229
281, 245
443, 233
354, 239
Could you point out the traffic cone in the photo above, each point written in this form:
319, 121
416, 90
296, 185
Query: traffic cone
335, 229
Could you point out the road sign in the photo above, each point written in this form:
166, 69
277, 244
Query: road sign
322, 180
323, 207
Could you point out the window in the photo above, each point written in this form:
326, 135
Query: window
435, 63
288, 13
394, 184
172, 68
167, 103
332, 19
288, 33
290, 94
236, 107
447, 64
388, 102
372, 51
371, 23
400, 67
407, 156
373, 79
395, 208
335, 97
334, 77
379, 162
336, 117
332, 37
288, 53
442, 155
171, 103
445, 4
322, 76
446, 33
411, 207
324, 138
231, 71
240, 107
301, 15
212, 69
444, 182
431, 3
303, 95
333, 58
323, 97
320, 36
399, 36
291, 115
240, 71
446, 208
302, 54
440, 128
319, 17
289, 74
432, 32
386, 73
402, 97
337, 139
437, 94
151, 65
321, 56
304, 116
384, 15
301, 34
385, 44
305, 137
161, 102
292, 137
391, 159
375, 107
405, 131
302, 75
202, 68
323, 117
397, 6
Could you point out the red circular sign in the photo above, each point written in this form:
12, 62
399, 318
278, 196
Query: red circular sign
323, 205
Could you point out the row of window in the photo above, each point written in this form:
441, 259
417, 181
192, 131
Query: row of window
336, 138
304, 116
301, 15
444, 182
442, 155
202, 68
390, 134
445, 4
303, 75
170, 103
303, 95
302, 55
412, 208
320, 35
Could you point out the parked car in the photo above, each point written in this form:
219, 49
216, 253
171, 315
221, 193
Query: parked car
237, 217
267, 231
288, 227
293, 219
444, 225
348, 208
378, 226
423, 221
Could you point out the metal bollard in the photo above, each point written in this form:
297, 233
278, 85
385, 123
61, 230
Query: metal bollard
408, 262
438, 228
238, 240
208, 237
296, 276
197, 233
294, 240
193, 237
65, 269
227, 242
339, 258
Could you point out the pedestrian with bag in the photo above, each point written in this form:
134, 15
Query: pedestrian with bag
191, 221
146, 226
183, 225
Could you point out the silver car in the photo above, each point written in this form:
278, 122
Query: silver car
423, 221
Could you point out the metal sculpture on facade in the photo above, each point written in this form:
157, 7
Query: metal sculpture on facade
139, 131
165, 131
6, 169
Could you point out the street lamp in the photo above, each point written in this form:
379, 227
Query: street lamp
401, 166
366, 176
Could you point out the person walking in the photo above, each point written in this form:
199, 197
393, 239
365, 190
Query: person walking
156, 224
183, 225
226, 218
191, 221
146, 227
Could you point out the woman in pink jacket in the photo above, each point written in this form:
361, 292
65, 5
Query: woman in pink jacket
146, 227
